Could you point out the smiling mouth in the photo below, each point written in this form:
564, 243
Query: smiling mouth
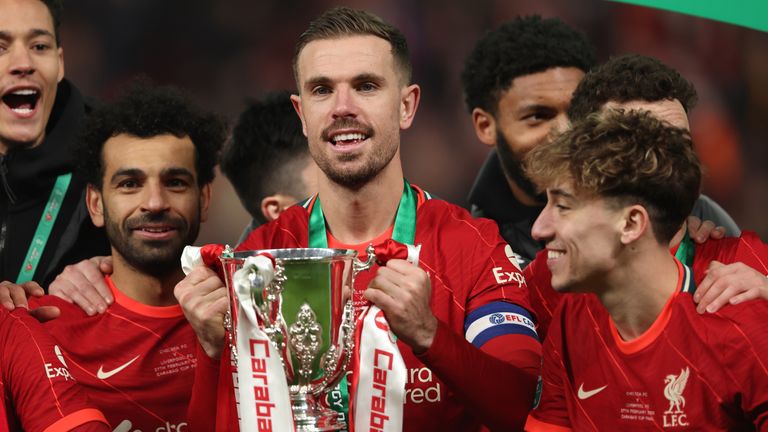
22, 101
348, 138
551, 254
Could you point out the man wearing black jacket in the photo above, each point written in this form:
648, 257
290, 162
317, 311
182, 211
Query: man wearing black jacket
518, 83
44, 224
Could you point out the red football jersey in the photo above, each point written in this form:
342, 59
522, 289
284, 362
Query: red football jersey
135, 361
747, 249
686, 372
38, 392
478, 295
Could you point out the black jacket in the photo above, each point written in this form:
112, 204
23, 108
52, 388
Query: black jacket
491, 198
26, 180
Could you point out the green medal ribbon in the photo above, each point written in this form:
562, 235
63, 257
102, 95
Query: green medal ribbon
404, 231
405, 221
44, 228
686, 249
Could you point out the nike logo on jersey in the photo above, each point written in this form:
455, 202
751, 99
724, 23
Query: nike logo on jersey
101, 374
588, 394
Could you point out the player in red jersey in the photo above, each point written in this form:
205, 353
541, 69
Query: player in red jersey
465, 368
636, 355
149, 160
37, 389
645, 83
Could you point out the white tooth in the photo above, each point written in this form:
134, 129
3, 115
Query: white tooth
25, 92
349, 137
554, 254
22, 110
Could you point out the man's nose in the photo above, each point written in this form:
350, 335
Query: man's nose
543, 228
345, 104
21, 61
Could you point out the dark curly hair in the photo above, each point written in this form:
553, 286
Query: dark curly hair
262, 158
628, 78
344, 21
520, 47
145, 111
630, 157
56, 9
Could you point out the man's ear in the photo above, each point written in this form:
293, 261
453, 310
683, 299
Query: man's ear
296, 101
95, 204
635, 222
485, 126
273, 205
205, 201
60, 53
409, 103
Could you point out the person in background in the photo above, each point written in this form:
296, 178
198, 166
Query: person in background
43, 221
267, 159
636, 354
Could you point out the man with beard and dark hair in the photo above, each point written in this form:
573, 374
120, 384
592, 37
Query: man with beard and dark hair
518, 82
149, 160
460, 369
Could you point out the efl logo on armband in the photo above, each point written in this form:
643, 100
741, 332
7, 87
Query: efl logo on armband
497, 319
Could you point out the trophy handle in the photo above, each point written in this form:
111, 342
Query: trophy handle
358, 266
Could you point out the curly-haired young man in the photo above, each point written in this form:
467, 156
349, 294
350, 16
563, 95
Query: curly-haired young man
149, 161
518, 82
636, 354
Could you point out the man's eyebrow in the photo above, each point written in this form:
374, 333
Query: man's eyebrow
535, 107
177, 171
561, 193
369, 77
316, 80
40, 32
5, 35
127, 172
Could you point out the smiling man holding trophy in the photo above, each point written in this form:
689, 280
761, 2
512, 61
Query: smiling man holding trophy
458, 316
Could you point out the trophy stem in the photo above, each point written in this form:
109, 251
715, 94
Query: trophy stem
309, 416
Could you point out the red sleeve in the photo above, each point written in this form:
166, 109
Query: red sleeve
201, 414
37, 379
497, 390
212, 406
743, 349
544, 299
551, 411
747, 249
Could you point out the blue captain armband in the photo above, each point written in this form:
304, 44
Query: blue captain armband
497, 319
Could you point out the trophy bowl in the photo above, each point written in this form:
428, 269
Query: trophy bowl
300, 299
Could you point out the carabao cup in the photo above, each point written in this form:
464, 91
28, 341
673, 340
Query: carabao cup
304, 308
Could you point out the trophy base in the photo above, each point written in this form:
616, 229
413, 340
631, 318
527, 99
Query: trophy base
308, 416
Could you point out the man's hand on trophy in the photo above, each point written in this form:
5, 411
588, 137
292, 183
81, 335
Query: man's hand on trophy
203, 298
403, 291
83, 284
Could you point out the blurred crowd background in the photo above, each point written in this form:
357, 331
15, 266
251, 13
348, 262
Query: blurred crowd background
226, 51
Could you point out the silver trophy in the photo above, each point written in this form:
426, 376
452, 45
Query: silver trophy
305, 309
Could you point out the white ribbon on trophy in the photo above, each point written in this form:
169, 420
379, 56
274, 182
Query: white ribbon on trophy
262, 384
380, 373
